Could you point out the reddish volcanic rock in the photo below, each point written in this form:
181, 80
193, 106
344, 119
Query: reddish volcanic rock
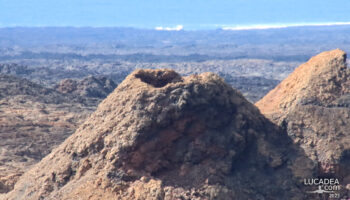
322, 80
312, 105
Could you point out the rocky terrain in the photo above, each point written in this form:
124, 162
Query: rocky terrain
35, 119
163, 136
252, 87
253, 77
47, 55
312, 105
92, 87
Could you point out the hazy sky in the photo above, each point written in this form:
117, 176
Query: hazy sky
192, 14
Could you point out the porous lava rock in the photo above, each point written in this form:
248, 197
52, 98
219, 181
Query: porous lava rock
163, 136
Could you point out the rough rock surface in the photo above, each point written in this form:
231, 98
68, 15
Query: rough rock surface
320, 81
312, 104
163, 136
33, 120
92, 86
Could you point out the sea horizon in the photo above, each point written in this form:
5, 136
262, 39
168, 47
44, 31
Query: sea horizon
203, 27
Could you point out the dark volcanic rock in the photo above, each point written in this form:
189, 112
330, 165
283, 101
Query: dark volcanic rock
13, 86
14, 69
92, 86
163, 136
253, 88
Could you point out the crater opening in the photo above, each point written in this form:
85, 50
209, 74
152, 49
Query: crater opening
158, 78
